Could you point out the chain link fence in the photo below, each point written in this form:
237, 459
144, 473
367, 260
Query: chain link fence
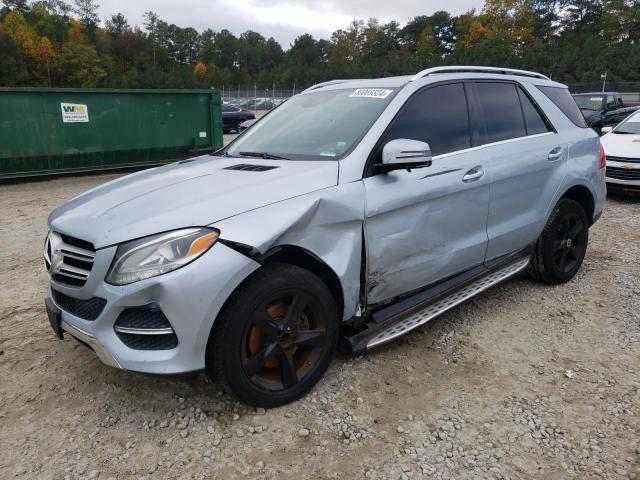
256, 99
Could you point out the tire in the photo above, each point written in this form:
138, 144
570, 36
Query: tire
275, 337
561, 248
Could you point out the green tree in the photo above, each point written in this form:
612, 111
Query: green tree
117, 25
79, 66
13, 72
19, 6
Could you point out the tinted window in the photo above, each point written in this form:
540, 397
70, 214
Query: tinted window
565, 102
228, 108
500, 107
438, 116
534, 121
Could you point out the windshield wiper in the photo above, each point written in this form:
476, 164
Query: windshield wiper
264, 155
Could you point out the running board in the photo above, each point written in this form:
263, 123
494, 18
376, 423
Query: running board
403, 323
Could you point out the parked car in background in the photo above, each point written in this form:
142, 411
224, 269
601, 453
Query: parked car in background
246, 124
350, 215
603, 109
622, 149
233, 116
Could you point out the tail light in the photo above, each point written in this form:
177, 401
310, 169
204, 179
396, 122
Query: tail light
603, 158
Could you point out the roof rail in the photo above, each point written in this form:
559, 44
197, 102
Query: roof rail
330, 82
495, 70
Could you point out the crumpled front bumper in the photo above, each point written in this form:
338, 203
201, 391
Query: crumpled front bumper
190, 298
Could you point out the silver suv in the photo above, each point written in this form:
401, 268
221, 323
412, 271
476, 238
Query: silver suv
353, 213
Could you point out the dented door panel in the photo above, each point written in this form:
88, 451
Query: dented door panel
424, 225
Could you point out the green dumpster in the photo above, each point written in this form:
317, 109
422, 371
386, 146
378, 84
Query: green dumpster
51, 131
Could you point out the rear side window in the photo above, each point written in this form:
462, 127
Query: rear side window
565, 102
534, 121
500, 107
438, 116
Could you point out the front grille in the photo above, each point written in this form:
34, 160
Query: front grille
623, 173
623, 159
68, 259
145, 328
86, 309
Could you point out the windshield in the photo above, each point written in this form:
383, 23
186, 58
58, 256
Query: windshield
630, 127
589, 102
321, 125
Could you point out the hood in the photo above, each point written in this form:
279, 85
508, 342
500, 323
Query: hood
194, 192
621, 145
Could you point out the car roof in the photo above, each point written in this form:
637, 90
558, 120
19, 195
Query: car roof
449, 72
599, 94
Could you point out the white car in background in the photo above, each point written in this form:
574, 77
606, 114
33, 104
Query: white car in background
622, 148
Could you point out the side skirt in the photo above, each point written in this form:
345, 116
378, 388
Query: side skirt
399, 318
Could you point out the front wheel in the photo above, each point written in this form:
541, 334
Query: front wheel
561, 248
276, 336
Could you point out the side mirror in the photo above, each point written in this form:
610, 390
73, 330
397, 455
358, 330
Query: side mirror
606, 130
403, 154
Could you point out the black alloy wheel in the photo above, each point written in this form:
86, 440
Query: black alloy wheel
562, 246
284, 341
275, 337
570, 242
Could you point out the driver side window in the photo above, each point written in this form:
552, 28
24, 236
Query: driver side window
436, 115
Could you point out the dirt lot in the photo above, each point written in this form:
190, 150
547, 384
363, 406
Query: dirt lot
480, 392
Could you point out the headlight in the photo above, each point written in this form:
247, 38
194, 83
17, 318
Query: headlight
151, 256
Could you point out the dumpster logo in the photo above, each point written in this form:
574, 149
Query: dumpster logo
74, 113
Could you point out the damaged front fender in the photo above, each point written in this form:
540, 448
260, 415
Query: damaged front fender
327, 223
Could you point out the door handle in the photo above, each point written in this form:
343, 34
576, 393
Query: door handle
555, 154
476, 173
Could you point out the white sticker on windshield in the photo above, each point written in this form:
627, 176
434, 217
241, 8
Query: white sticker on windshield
596, 99
371, 93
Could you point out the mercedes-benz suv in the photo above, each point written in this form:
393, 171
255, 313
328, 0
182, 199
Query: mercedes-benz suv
353, 213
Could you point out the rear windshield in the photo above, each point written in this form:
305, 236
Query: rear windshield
322, 125
565, 102
589, 102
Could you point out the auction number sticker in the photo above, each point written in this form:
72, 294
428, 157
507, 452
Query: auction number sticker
371, 93
74, 113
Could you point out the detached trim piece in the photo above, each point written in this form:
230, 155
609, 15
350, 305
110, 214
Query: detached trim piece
423, 316
411, 312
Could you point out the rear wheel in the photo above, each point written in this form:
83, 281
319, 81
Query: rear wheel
562, 246
276, 336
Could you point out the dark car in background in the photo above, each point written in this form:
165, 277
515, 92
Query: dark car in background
603, 109
233, 116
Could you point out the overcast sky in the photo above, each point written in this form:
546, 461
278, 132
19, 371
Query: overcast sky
282, 19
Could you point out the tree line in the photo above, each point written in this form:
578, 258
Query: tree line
61, 44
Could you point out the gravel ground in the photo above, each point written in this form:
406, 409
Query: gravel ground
523, 382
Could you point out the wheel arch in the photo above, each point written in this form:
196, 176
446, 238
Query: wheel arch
303, 258
291, 255
584, 197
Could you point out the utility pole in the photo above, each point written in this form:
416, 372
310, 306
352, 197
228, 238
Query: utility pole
603, 77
